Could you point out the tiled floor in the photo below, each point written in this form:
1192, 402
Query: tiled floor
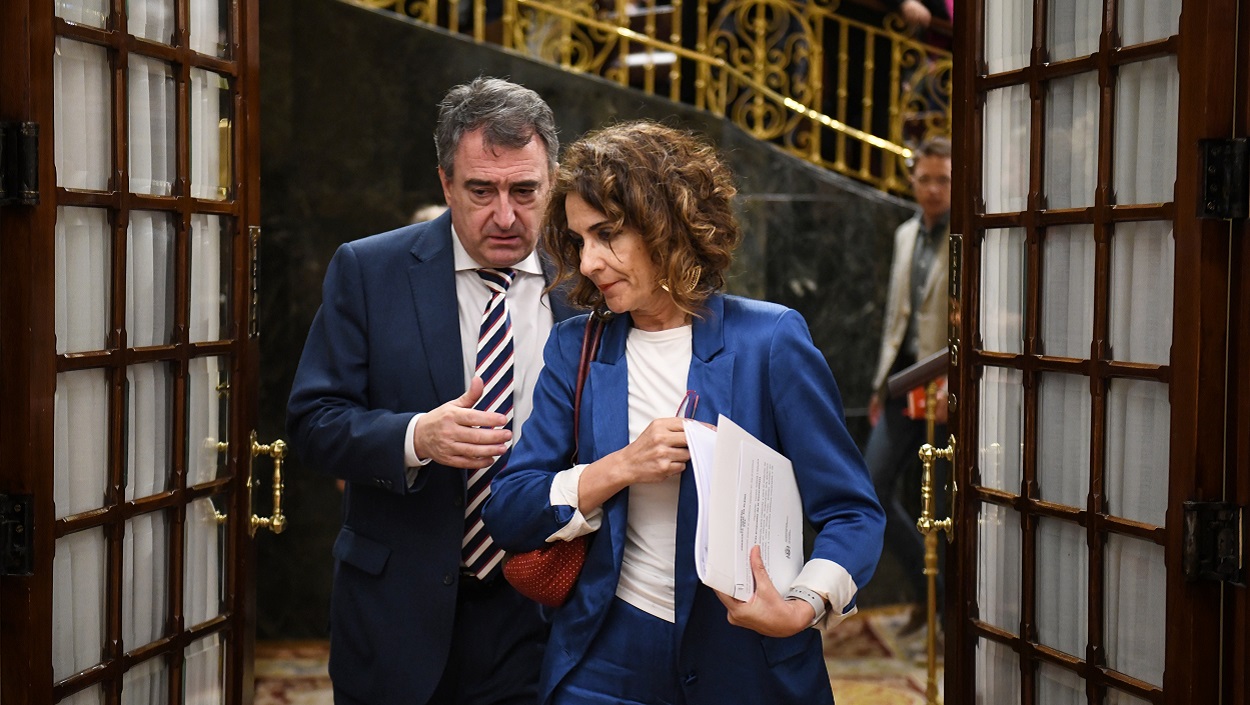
869, 664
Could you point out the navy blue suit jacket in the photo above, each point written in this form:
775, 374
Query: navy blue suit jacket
755, 363
384, 346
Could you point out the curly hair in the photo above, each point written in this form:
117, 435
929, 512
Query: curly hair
666, 184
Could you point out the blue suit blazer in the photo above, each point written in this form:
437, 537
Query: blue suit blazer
754, 362
385, 345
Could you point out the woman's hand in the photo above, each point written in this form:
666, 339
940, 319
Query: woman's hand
658, 453
767, 612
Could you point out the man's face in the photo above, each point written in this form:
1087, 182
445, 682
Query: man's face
931, 182
496, 198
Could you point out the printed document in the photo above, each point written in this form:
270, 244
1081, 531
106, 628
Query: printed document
747, 497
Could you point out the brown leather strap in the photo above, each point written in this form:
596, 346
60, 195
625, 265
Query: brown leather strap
590, 348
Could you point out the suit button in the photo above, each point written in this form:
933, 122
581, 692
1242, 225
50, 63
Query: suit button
448, 580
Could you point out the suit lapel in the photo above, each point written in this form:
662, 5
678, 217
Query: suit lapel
610, 415
432, 278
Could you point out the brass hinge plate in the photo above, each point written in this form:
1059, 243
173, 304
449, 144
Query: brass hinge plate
1214, 542
16, 532
19, 163
1225, 178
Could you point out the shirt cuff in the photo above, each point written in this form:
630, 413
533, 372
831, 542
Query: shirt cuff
412, 464
834, 583
564, 492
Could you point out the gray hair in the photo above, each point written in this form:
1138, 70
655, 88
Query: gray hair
508, 114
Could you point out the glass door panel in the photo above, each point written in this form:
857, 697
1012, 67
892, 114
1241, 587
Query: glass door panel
1146, 98
151, 19
150, 270
210, 277
84, 118
1136, 613
149, 430
153, 119
145, 580
78, 605
1067, 297
1138, 434
210, 135
84, 254
81, 440
999, 567
1063, 439
1062, 571
1072, 141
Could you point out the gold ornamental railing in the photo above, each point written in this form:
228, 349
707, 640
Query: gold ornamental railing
838, 92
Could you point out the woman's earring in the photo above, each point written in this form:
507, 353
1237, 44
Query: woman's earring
663, 283
691, 279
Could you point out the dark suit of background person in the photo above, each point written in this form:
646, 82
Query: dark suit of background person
921, 248
639, 625
385, 346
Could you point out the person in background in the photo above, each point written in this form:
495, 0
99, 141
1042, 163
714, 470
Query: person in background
921, 13
641, 223
394, 396
916, 315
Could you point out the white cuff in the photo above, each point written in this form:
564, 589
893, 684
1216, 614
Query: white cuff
564, 491
833, 582
412, 463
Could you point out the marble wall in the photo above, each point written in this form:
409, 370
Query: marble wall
348, 101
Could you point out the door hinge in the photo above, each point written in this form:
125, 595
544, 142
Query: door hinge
19, 163
1225, 178
1214, 542
16, 531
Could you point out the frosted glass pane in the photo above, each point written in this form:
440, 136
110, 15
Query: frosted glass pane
1062, 585
1059, 686
84, 118
1005, 157
80, 459
1074, 28
210, 146
207, 425
1067, 291
1002, 290
210, 277
1008, 34
93, 13
1136, 608
1138, 445
147, 683
1116, 697
1001, 455
84, 254
998, 674
1063, 432
150, 408
150, 278
1072, 141
203, 570
152, 121
1146, 97
210, 27
1143, 267
1147, 20
92, 695
150, 19
998, 567
145, 579
78, 602
204, 674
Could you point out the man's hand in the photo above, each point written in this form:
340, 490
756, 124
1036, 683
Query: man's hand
915, 13
767, 612
459, 436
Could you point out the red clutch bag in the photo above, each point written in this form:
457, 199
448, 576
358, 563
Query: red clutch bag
547, 575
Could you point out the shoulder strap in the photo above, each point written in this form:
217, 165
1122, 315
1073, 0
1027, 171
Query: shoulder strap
590, 349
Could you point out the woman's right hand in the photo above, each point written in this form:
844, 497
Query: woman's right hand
658, 453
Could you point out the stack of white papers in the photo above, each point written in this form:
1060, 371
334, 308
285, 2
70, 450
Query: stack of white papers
747, 497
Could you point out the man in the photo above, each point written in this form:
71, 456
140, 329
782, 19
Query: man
916, 316
395, 395
919, 13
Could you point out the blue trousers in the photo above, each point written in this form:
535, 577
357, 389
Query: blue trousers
631, 662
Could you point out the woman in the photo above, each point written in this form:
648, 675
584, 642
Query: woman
641, 221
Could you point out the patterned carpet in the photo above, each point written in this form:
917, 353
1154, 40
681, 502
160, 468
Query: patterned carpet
869, 664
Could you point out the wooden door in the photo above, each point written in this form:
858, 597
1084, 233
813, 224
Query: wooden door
1095, 355
129, 354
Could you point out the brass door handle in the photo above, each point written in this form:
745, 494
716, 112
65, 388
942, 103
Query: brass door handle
927, 524
277, 521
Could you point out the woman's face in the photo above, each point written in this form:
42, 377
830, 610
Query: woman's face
621, 267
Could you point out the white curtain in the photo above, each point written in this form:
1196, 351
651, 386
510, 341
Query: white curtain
150, 19
1116, 697
1063, 438
146, 683
1001, 427
1143, 266
80, 433
150, 278
83, 254
1008, 34
1059, 686
998, 566
89, 12
206, 143
998, 674
94, 695
152, 121
208, 34
204, 408
145, 570
205, 669
1074, 28
207, 289
202, 574
1072, 141
1062, 585
148, 429
84, 119
78, 602
1067, 306
1138, 445
1136, 609
1146, 98
1005, 159
1147, 20
1002, 290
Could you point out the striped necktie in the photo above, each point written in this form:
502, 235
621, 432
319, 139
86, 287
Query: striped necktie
494, 365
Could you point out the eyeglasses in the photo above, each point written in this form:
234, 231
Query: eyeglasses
690, 402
